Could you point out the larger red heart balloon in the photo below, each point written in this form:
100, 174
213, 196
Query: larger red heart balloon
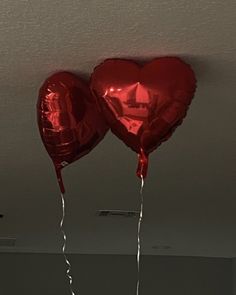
143, 104
68, 118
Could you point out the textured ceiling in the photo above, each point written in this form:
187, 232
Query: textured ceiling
190, 192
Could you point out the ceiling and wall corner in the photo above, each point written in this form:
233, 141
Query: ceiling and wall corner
190, 191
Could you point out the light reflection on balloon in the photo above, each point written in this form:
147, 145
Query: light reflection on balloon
69, 121
143, 104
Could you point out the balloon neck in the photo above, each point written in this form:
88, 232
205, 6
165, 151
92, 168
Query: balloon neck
142, 164
59, 179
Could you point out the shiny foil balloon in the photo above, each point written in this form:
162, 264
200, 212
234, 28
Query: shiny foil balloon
143, 104
68, 118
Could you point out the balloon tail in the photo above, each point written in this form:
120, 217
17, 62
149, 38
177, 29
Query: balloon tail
60, 180
142, 164
138, 235
69, 276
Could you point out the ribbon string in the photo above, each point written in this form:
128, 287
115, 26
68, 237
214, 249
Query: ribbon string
69, 276
138, 235
68, 270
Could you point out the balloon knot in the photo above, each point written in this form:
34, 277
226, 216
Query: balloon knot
142, 164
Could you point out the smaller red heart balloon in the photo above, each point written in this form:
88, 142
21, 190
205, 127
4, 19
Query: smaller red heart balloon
68, 119
143, 104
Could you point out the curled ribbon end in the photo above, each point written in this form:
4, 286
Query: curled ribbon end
142, 165
59, 179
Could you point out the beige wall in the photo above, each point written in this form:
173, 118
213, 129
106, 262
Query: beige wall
43, 274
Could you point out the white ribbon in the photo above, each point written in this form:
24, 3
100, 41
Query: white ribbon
138, 234
69, 276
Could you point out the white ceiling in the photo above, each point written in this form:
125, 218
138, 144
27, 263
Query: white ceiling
190, 194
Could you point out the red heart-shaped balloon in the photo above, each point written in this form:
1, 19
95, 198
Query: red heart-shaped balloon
68, 118
144, 104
